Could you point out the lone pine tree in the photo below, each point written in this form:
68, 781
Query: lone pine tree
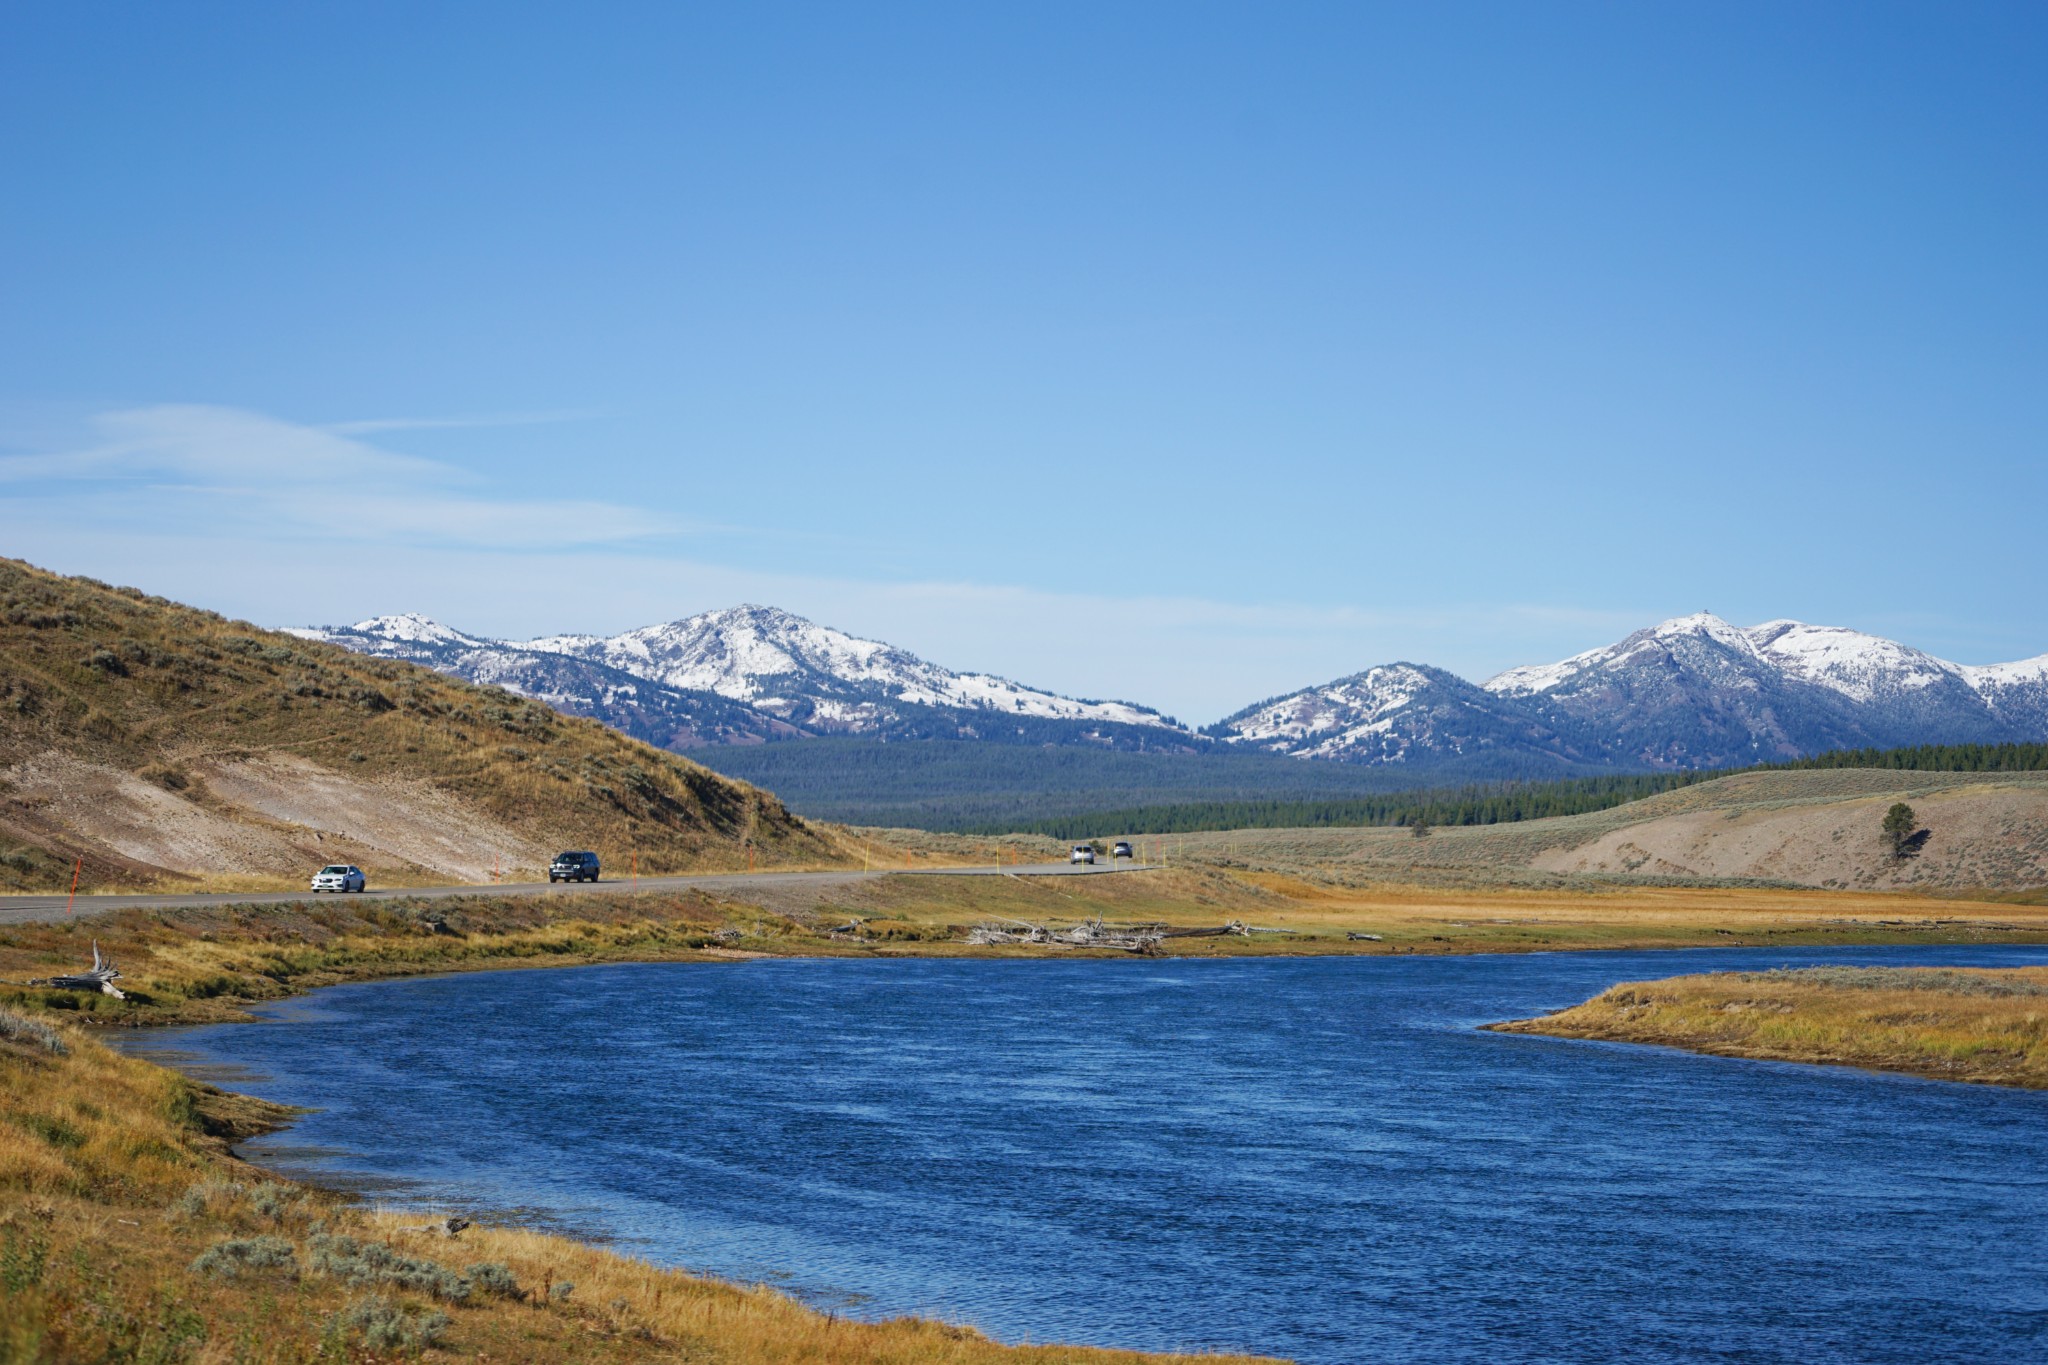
1899, 825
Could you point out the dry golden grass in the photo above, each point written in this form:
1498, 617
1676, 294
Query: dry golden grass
1440, 918
115, 1178
1956, 1024
207, 964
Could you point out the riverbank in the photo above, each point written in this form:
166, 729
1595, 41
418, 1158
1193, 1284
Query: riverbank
129, 1232
209, 964
1987, 1026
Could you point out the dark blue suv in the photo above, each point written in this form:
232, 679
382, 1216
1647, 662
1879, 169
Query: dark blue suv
573, 867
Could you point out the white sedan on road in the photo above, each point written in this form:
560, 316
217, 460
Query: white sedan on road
339, 877
1083, 853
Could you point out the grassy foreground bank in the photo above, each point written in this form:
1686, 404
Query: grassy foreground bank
130, 1233
1952, 1023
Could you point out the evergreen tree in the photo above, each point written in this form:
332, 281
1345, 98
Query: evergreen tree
1899, 825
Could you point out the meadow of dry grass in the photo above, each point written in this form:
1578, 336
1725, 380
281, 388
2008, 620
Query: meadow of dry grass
190, 965
130, 1234
1817, 828
1952, 1023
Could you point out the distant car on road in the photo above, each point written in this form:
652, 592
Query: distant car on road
1122, 850
1083, 853
339, 877
573, 867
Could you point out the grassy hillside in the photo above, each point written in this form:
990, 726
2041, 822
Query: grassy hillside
160, 743
1807, 827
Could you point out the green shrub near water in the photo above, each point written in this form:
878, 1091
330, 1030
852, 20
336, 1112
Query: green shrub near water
15, 1028
385, 1326
494, 1280
362, 1263
195, 1200
234, 1256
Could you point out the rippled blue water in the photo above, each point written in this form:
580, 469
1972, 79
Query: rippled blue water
1318, 1158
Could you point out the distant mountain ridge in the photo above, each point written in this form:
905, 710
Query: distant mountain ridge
1691, 692
747, 674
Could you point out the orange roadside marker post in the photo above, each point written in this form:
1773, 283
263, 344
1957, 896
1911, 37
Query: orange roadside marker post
76, 868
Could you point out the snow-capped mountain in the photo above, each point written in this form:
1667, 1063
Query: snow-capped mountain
750, 673
1398, 713
1694, 691
668, 717
812, 674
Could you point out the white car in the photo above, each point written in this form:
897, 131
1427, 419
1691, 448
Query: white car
1082, 853
339, 877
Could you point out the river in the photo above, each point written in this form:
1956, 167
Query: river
1311, 1157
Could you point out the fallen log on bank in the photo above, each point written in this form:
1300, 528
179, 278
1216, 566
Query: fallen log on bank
100, 978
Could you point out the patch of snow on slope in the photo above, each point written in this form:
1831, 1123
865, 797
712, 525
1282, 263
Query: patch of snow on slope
1354, 707
2018, 673
1531, 678
1857, 665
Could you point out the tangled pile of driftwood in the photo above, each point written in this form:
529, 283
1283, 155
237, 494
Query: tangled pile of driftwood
1096, 933
100, 978
1088, 934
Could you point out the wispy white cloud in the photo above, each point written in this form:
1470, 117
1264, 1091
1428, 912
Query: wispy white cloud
372, 426
235, 471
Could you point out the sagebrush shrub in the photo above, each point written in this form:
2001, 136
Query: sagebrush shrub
494, 1279
195, 1199
17, 1028
386, 1326
356, 1262
237, 1256
274, 1200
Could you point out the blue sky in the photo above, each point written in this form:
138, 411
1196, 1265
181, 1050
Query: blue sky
1186, 353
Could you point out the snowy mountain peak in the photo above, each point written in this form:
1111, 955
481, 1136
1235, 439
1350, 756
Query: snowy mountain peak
414, 629
1699, 623
771, 661
403, 634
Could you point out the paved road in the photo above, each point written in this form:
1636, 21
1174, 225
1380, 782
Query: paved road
33, 909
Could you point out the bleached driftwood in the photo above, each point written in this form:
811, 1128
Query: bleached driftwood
1088, 934
100, 978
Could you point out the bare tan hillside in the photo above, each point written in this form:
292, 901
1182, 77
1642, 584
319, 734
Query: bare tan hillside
168, 746
1986, 831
